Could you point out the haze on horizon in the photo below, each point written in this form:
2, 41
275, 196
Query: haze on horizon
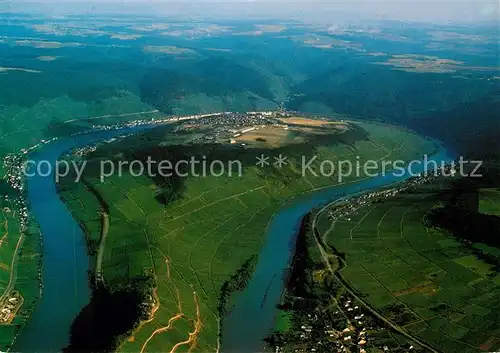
443, 11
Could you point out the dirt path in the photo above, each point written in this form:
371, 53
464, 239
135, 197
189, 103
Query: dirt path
193, 336
163, 329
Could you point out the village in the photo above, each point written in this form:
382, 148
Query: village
9, 306
228, 127
344, 208
347, 327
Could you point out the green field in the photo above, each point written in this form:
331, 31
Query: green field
421, 278
196, 241
489, 201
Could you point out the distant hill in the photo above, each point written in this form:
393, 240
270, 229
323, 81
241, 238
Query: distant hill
224, 83
374, 91
472, 127
462, 112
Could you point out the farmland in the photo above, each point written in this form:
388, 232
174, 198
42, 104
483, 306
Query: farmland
191, 235
435, 286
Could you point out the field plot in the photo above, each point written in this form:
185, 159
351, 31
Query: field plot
419, 278
194, 239
301, 121
489, 201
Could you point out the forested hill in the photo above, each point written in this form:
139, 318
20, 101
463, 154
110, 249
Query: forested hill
472, 128
461, 112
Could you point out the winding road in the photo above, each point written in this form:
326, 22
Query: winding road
102, 245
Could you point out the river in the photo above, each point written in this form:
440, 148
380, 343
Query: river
66, 264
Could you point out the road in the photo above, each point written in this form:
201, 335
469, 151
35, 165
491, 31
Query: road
102, 244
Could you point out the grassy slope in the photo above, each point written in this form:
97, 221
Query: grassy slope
450, 296
197, 241
489, 201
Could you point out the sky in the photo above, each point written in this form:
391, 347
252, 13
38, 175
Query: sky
313, 10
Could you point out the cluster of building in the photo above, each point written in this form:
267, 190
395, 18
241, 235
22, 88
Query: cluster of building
362, 331
349, 329
354, 337
80, 152
14, 165
9, 307
347, 207
228, 126
227, 119
223, 125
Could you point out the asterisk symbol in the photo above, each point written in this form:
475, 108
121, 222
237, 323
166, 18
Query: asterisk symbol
280, 161
262, 161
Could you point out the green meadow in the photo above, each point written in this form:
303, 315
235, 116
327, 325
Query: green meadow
423, 279
191, 235
489, 201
